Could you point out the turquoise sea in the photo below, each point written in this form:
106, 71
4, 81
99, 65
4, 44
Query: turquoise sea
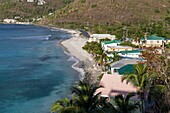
34, 72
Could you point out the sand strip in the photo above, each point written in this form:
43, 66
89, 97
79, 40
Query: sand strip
83, 60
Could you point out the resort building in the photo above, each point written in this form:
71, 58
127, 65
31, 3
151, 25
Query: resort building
97, 37
152, 41
113, 85
105, 44
130, 54
119, 48
123, 66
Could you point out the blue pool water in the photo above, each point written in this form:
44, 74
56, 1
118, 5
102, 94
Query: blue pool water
34, 72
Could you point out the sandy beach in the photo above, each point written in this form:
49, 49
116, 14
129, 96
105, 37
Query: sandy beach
74, 46
83, 60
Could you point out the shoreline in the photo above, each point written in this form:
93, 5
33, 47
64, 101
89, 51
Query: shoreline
76, 61
83, 60
75, 66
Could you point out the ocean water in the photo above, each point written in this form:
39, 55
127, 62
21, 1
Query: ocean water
34, 72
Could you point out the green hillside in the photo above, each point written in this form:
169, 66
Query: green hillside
115, 11
120, 17
25, 10
111, 16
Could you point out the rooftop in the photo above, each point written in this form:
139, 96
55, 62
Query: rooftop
121, 63
154, 37
112, 85
129, 68
113, 41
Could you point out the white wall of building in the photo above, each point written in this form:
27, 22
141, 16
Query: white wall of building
30, 0
9, 21
97, 37
130, 55
105, 46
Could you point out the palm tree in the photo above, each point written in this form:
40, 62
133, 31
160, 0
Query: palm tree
101, 58
84, 100
113, 58
139, 79
116, 57
106, 106
89, 47
123, 104
85, 97
64, 106
92, 47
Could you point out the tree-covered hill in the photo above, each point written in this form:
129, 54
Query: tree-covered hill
118, 17
114, 11
25, 10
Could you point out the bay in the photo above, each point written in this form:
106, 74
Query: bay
34, 72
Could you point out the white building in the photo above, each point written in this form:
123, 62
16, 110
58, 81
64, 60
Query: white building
133, 54
130, 54
106, 44
9, 21
119, 48
41, 2
97, 37
30, 0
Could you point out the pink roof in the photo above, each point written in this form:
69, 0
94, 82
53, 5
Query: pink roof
113, 85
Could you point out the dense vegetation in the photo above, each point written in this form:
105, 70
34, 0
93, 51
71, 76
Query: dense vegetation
99, 55
123, 18
113, 11
26, 11
85, 100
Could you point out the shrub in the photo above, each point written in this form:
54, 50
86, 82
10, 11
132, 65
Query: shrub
82, 1
157, 11
93, 6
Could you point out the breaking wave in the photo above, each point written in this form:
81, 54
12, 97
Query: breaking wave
46, 37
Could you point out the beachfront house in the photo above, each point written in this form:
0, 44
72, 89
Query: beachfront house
105, 44
127, 54
97, 37
152, 41
123, 66
130, 54
119, 48
113, 85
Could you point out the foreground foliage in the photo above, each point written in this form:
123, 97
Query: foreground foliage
153, 81
85, 100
